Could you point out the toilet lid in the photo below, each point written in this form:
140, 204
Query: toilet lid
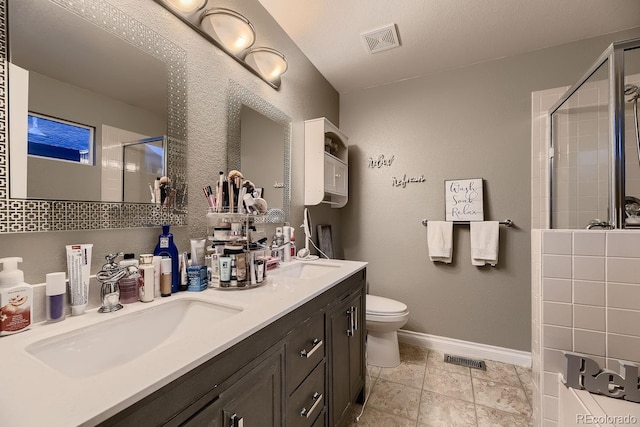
384, 306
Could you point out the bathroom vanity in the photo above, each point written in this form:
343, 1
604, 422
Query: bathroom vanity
291, 352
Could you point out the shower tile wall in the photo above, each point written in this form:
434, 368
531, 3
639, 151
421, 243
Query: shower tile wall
586, 299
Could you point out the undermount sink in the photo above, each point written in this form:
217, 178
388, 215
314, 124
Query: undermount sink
307, 270
106, 345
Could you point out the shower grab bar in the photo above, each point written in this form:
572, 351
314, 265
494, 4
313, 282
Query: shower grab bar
507, 222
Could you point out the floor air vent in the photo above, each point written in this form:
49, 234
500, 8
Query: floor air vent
464, 361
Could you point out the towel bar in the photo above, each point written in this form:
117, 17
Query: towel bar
507, 222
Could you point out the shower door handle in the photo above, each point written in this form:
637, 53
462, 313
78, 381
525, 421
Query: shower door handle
596, 223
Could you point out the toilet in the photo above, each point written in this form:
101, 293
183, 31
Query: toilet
384, 317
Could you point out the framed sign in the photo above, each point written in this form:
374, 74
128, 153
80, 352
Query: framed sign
463, 200
325, 240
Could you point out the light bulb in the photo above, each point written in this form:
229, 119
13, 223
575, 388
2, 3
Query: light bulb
187, 6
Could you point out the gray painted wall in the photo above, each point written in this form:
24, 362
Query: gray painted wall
471, 122
305, 94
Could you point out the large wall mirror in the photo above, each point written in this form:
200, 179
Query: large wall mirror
259, 145
84, 84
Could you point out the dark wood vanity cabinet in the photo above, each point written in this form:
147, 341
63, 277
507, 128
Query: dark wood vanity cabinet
304, 369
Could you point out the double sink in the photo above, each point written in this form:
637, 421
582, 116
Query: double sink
91, 350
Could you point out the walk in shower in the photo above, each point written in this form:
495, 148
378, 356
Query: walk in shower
594, 153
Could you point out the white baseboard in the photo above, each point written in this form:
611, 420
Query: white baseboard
465, 348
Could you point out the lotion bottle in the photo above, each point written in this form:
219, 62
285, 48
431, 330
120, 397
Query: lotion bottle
146, 281
16, 298
166, 248
166, 268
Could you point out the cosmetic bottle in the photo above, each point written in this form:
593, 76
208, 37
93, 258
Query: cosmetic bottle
215, 271
129, 284
166, 266
225, 270
146, 280
234, 270
129, 289
166, 248
156, 275
293, 248
55, 291
15, 298
286, 233
184, 264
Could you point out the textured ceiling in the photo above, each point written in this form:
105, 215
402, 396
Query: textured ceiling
437, 35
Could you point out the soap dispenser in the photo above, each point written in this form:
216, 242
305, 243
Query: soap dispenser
15, 298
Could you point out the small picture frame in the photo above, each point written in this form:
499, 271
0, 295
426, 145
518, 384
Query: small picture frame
325, 240
464, 200
258, 192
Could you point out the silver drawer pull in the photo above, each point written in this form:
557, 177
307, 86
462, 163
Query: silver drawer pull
236, 421
355, 318
316, 345
318, 398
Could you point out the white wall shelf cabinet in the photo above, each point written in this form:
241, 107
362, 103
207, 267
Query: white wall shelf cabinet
326, 171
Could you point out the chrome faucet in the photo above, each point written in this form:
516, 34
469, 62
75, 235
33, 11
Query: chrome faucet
109, 276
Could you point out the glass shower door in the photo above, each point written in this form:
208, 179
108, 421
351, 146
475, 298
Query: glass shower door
580, 154
632, 136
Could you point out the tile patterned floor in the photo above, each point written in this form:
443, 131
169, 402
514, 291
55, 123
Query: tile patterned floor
424, 391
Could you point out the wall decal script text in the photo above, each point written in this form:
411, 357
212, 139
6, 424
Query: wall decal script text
402, 182
380, 161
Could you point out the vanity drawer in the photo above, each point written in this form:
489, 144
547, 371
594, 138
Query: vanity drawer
305, 349
308, 401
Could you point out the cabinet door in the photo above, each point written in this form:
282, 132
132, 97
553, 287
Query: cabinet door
335, 175
346, 354
254, 400
341, 181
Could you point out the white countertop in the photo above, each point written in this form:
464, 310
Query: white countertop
36, 394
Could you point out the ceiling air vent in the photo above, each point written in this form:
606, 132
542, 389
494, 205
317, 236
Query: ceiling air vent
380, 39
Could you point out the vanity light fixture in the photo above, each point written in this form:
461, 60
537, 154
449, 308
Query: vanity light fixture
267, 62
232, 33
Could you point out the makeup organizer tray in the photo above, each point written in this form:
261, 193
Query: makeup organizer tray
234, 238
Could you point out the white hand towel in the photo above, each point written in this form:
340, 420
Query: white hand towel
440, 240
484, 242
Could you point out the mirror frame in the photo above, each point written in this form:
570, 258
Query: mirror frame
32, 215
239, 96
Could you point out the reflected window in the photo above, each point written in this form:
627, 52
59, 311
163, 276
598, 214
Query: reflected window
59, 139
